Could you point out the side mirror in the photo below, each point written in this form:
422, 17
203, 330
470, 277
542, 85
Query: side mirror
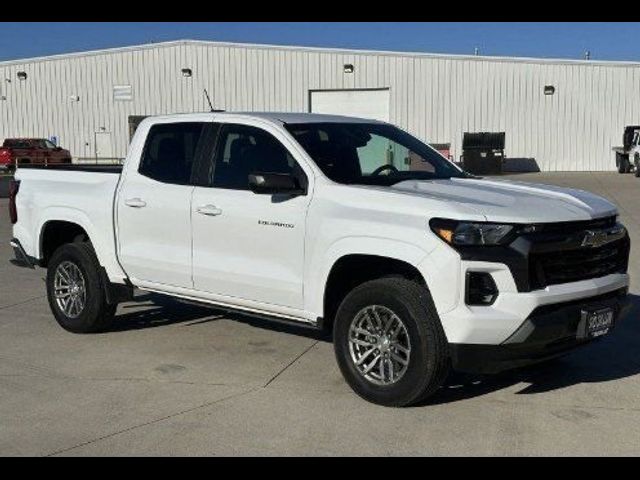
271, 183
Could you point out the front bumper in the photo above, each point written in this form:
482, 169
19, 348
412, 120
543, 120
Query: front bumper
549, 331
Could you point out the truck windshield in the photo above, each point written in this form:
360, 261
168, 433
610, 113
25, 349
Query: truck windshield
371, 153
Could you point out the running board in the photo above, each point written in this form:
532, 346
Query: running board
282, 319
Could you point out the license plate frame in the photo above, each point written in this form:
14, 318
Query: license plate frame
596, 322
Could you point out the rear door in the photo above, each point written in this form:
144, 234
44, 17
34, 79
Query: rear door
23, 151
154, 205
249, 247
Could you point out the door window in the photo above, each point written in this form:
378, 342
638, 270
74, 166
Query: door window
243, 150
171, 150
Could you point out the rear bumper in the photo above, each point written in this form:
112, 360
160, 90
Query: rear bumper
548, 332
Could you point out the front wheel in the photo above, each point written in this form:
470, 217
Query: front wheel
75, 291
389, 343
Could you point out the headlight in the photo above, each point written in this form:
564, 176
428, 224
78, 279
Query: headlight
470, 233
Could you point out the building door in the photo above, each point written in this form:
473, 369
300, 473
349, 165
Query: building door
104, 146
373, 104
134, 122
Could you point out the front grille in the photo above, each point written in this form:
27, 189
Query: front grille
572, 263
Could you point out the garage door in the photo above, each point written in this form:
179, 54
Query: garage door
372, 104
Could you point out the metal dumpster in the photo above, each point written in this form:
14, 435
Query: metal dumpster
483, 152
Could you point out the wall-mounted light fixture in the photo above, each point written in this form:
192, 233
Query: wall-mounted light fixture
74, 98
8, 80
186, 72
549, 89
3, 98
348, 68
22, 75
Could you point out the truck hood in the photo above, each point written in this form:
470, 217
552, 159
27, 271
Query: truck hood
511, 201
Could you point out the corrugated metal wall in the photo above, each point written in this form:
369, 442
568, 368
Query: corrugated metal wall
435, 97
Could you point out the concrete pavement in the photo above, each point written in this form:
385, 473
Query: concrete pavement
179, 379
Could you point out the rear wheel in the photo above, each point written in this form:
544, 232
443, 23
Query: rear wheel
389, 342
75, 290
636, 163
623, 163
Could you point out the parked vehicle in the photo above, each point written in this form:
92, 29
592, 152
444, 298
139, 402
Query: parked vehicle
22, 151
334, 222
628, 156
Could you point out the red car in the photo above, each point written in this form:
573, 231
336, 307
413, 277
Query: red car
18, 151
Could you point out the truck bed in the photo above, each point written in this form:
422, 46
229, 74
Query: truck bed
79, 194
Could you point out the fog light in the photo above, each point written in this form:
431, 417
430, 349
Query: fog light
480, 289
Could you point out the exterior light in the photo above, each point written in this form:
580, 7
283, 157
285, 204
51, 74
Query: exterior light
74, 98
186, 72
348, 68
549, 89
22, 75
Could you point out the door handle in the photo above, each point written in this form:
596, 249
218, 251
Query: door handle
209, 210
135, 202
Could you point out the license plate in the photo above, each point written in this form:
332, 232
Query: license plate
597, 322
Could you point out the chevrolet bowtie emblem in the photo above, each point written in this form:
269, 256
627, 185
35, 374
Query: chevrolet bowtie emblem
595, 239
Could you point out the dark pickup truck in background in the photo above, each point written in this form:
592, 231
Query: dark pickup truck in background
17, 151
628, 155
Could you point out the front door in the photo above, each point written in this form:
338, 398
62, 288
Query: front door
249, 246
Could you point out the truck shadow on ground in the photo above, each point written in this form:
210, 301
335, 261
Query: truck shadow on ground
611, 358
154, 310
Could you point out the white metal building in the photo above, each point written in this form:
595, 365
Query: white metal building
565, 114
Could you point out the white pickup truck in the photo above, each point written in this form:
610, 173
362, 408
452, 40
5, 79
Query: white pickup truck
338, 223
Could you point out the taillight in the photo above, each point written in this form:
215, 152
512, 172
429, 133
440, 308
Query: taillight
5, 155
14, 186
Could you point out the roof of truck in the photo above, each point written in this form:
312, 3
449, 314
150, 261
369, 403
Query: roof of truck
288, 117
277, 117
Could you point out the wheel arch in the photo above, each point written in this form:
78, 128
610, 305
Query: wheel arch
355, 260
58, 226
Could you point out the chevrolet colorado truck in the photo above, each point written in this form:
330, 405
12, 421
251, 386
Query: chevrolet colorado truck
339, 223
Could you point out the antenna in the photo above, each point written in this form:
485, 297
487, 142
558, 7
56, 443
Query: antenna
213, 110
206, 94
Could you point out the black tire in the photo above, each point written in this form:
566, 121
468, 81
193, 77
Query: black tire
636, 163
97, 315
623, 163
429, 361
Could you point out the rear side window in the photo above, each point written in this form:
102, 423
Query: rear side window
16, 144
171, 151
